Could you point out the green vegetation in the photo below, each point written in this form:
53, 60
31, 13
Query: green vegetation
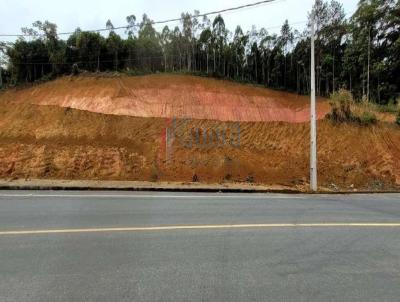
345, 109
391, 107
398, 118
341, 103
360, 53
367, 118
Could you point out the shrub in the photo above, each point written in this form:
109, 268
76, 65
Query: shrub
367, 118
398, 118
75, 69
345, 109
392, 106
250, 179
341, 102
46, 78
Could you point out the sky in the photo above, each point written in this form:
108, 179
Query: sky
93, 14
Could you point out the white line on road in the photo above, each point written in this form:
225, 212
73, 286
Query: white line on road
153, 196
203, 227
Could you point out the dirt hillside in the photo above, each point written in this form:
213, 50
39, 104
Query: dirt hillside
52, 142
169, 96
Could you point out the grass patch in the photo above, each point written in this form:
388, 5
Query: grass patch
392, 107
367, 118
346, 110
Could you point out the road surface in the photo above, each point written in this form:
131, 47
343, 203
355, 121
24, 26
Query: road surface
110, 246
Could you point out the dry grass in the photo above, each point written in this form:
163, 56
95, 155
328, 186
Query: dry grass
346, 109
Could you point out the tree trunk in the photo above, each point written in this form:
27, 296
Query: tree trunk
351, 88
214, 59
116, 61
263, 71
379, 88
207, 63
180, 61
284, 79
363, 81
189, 62
256, 68
369, 61
333, 73
224, 67
194, 58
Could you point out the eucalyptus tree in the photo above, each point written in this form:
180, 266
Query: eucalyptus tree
131, 28
219, 39
149, 49
205, 43
187, 27
165, 41
113, 44
87, 48
268, 43
239, 44
286, 41
3, 50
177, 48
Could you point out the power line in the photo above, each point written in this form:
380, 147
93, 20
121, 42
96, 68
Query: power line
156, 22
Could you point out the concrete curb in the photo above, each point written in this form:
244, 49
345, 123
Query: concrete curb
147, 189
63, 185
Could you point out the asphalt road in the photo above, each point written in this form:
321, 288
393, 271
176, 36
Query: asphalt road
108, 246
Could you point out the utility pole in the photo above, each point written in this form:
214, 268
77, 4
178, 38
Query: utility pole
313, 143
1, 75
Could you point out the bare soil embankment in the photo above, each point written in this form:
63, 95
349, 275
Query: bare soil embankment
52, 142
168, 96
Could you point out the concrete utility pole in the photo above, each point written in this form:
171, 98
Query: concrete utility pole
1, 75
313, 145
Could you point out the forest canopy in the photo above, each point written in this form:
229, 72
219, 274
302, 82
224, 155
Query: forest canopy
359, 53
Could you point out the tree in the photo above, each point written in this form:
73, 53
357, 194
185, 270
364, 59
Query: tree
187, 25
132, 26
113, 44
205, 42
360, 54
165, 40
3, 47
219, 39
286, 41
149, 49
239, 44
85, 47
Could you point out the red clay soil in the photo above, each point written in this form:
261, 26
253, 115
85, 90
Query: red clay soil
50, 142
170, 96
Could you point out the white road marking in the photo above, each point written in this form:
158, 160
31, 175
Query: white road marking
202, 227
155, 196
